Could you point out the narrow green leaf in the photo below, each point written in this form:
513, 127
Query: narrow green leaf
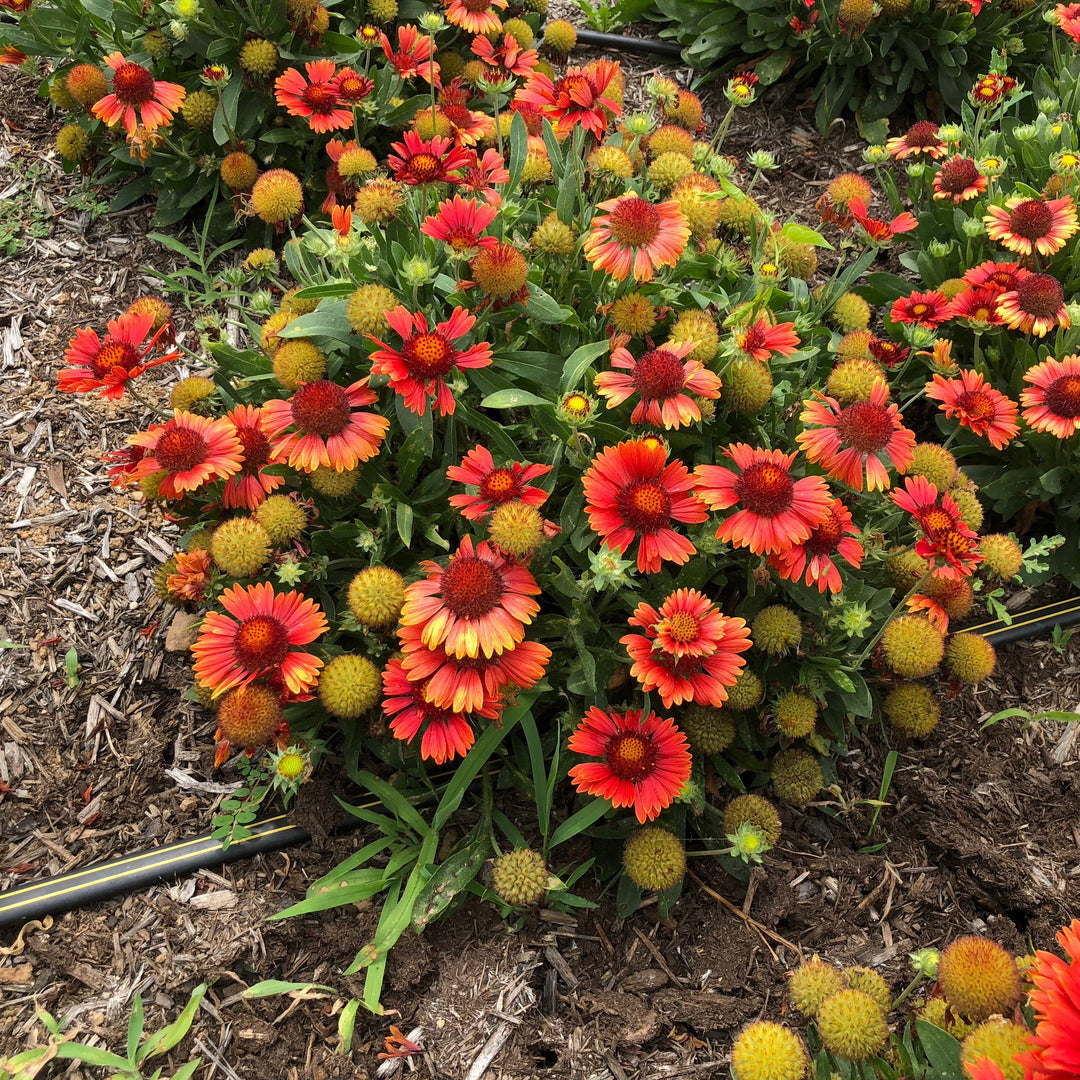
579, 362
346, 1025
512, 399
272, 987
587, 816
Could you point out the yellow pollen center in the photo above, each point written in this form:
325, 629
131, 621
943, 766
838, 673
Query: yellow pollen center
649, 500
684, 627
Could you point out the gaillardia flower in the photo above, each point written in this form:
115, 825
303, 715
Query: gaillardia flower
477, 604
635, 236
317, 97
849, 442
919, 139
1028, 226
663, 379
257, 637
413, 55
459, 222
831, 536
1055, 1046
689, 651
475, 16
328, 428
1053, 403
762, 340
1036, 305
775, 510
191, 450
949, 546
494, 485
108, 365
921, 309
579, 97
631, 491
977, 406
642, 763
137, 98
959, 179
416, 161
250, 486
419, 368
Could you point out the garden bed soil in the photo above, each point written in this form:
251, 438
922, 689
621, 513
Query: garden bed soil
980, 832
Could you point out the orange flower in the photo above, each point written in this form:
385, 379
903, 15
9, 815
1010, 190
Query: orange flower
1054, 403
494, 486
329, 431
636, 236
192, 450
425, 161
775, 510
977, 406
459, 222
135, 88
192, 574
257, 638
579, 97
663, 379
475, 16
317, 97
250, 486
1068, 19
762, 340
108, 365
1055, 1053
921, 138
413, 54
832, 536
10, 55
948, 544
478, 603
959, 179
849, 442
631, 491
1027, 226
921, 309
1035, 306
880, 232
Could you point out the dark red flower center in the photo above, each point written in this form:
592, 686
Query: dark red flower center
256, 448
114, 354
765, 488
922, 136
683, 627
977, 405
1031, 219
957, 175
179, 449
428, 355
937, 522
353, 87
658, 374
458, 115
954, 545
476, 7
461, 238
133, 84
887, 352
425, 166
262, 641
865, 426
634, 222
320, 97
470, 586
1063, 396
500, 485
1040, 295
630, 756
1002, 279
321, 408
644, 505
752, 339
825, 537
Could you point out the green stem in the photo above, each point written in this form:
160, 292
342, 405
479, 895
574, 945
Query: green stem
899, 610
906, 992
721, 134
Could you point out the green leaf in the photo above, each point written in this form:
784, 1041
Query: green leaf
327, 320
450, 879
579, 362
586, 817
185, 1072
163, 1041
91, 1055
346, 1025
511, 399
519, 149
271, 987
135, 1028
802, 234
404, 521
544, 308
942, 1051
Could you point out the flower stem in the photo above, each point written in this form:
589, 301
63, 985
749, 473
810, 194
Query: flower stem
897, 611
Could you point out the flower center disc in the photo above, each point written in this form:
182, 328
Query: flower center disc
321, 408
958, 175
1063, 396
954, 543
461, 239
825, 537
923, 136
634, 222
470, 586
1040, 295
765, 488
630, 756
476, 7
658, 374
1031, 219
352, 88
179, 450
262, 641
977, 404
578, 88
114, 354
320, 97
256, 448
645, 505
938, 522
683, 627
133, 84
425, 166
865, 426
429, 355
500, 485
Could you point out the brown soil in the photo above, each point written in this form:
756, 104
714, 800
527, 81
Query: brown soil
979, 834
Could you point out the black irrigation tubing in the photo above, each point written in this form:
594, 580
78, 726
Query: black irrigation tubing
146, 868
670, 49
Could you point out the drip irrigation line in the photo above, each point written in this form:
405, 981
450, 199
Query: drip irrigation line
670, 49
143, 869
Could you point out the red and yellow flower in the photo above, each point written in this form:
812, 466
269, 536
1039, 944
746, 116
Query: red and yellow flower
494, 485
191, 450
633, 492
1055, 997
250, 486
959, 179
427, 356
317, 97
689, 651
919, 139
921, 309
1035, 306
426, 161
775, 510
413, 55
831, 536
579, 97
849, 442
948, 544
644, 761
1053, 403
762, 340
259, 636
879, 231
1032, 226
977, 406
999, 276
459, 222
480, 175
108, 365
475, 16
634, 236
137, 98
977, 307
477, 604
10, 55
328, 429
663, 379
1068, 20
509, 57
193, 571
